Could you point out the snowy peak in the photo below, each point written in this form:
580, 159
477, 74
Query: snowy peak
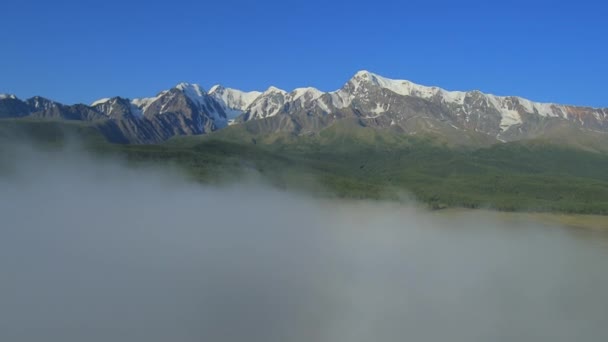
308, 94
195, 88
216, 88
269, 103
233, 98
402, 87
363, 73
235, 102
274, 90
274, 101
261, 104
162, 102
117, 107
193, 91
40, 103
510, 108
365, 78
501, 116
7, 96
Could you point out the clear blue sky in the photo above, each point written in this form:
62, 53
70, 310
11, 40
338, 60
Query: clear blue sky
78, 51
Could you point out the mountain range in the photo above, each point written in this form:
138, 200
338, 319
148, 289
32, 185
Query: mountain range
461, 117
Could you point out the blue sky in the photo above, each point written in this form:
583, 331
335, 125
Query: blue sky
79, 51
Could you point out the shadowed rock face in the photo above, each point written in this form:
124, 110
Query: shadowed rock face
13, 108
372, 100
171, 113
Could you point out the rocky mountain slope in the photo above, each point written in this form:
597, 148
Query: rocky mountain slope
372, 100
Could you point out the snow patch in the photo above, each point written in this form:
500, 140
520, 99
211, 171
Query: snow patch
509, 118
144, 103
324, 107
42, 103
341, 98
379, 109
136, 111
7, 96
453, 96
100, 101
527, 104
215, 88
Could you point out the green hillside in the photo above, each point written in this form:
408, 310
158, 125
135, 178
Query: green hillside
351, 161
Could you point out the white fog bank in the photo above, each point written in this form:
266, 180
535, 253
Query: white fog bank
91, 250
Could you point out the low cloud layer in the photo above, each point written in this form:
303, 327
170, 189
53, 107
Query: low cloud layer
92, 250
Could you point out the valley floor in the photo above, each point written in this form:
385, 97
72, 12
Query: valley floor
589, 222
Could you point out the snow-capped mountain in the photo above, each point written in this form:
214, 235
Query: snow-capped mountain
466, 110
117, 108
373, 100
400, 104
185, 109
38, 103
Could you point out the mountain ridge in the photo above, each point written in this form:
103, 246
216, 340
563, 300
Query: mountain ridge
375, 101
